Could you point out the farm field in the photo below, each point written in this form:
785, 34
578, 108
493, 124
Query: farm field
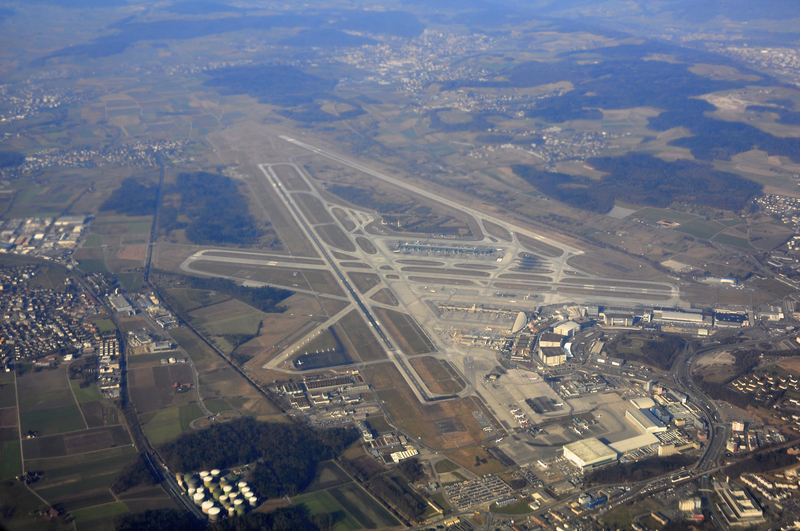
167, 424
219, 381
322, 502
333, 491
46, 404
10, 459
81, 480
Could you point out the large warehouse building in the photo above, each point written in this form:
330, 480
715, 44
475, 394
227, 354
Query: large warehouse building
647, 440
552, 356
589, 453
644, 421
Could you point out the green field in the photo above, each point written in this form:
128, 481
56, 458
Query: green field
14, 494
653, 215
328, 475
701, 228
167, 424
322, 502
60, 396
86, 394
77, 474
131, 281
215, 405
230, 317
379, 424
93, 240
163, 426
445, 466
439, 500
773, 286
8, 390
727, 239
520, 507
363, 507
10, 460
105, 325
189, 412
93, 265
619, 518
54, 420
139, 227
187, 300
105, 511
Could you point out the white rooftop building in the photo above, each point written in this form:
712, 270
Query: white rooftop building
644, 421
632, 444
567, 328
643, 403
589, 452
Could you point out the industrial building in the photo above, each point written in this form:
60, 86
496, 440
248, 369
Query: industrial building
647, 440
617, 319
120, 304
738, 508
550, 339
567, 328
521, 350
644, 421
671, 316
552, 356
770, 313
643, 403
589, 453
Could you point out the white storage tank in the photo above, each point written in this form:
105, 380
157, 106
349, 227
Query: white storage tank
253, 501
213, 514
227, 488
198, 497
203, 474
215, 472
242, 484
207, 505
245, 490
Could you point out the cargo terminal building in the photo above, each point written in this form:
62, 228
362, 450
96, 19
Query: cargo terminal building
589, 453
644, 421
